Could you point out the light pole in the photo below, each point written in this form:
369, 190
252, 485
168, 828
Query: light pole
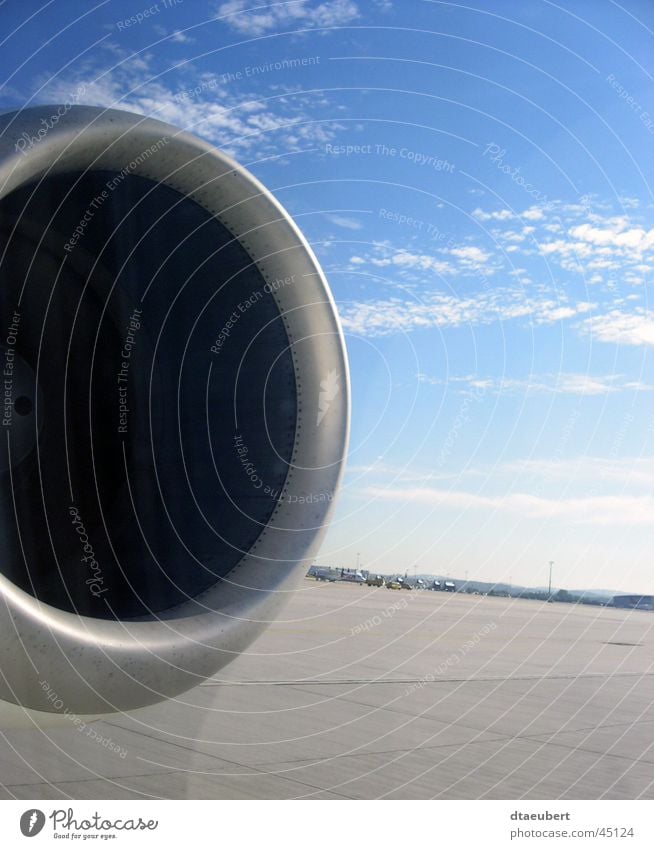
549, 591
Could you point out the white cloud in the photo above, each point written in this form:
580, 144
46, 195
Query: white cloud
534, 213
471, 255
634, 472
240, 122
590, 510
381, 470
295, 14
636, 238
181, 38
566, 248
346, 222
582, 384
466, 260
510, 236
628, 475
590, 245
639, 386
599, 242
470, 380
177, 36
629, 202
396, 315
498, 215
408, 260
621, 328
551, 312
566, 383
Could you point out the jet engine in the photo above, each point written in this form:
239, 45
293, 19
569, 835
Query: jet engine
174, 411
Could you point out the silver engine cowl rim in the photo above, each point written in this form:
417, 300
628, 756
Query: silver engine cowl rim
98, 666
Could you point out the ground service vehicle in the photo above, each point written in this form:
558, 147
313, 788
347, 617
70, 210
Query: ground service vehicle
375, 581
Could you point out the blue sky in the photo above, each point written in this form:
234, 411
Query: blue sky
477, 184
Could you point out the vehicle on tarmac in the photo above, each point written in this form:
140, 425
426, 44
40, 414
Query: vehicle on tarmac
325, 575
353, 578
394, 584
375, 581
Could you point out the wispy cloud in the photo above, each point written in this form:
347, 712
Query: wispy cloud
495, 215
532, 213
388, 472
616, 476
254, 19
625, 472
181, 38
546, 252
591, 510
396, 315
406, 260
238, 121
582, 238
345, 221
565, 383
462, 259
176, 37
605, 248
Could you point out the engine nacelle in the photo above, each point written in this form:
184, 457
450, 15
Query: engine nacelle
175, 409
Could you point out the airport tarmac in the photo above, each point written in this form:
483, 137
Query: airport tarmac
367, 693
